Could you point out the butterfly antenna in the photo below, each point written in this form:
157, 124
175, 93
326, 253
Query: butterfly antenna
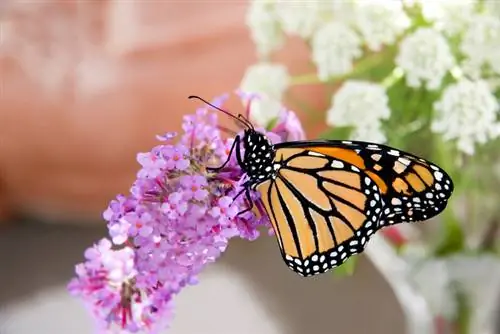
245, 124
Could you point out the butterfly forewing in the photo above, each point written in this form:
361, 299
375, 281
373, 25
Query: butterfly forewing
413, 188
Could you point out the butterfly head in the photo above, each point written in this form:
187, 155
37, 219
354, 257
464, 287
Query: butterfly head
259, 155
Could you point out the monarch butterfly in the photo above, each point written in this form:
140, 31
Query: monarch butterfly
326, 198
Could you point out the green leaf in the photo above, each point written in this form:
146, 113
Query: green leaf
453, 240
338, 132
272, 124
347, 268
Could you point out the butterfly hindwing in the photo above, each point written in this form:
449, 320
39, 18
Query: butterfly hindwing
323, 210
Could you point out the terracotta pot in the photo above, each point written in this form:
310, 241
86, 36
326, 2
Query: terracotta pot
87, 85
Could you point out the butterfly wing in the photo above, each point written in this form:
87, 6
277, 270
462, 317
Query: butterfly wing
413, 188
322, 209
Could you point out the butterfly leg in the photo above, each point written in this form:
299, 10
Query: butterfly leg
249, 201
236, 144
248, 198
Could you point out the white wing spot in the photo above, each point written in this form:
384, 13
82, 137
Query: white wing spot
438, 176
315, 154
396, 201
394, 153
355, 169
404, 161
337, 164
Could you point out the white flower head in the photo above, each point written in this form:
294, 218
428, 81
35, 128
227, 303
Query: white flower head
425, 56
334, 48
363, 105
492, 7
467, 112
380, 22
300, 18
343, 11
269, 81
264, 26
449, 16
481, 43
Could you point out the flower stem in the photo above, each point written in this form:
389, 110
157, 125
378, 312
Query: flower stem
360, 67
395, 75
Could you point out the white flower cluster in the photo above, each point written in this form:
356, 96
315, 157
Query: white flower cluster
265, 29
468, 113
449, 16
337, 29
299, 18
380, 22
425, 56
481, 44
363, 105
334, 48
270, 81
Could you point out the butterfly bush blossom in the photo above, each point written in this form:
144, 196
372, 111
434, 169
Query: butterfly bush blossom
178, 217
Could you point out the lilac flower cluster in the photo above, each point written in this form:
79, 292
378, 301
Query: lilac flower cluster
178, 217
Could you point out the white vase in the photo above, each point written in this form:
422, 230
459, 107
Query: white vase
426, 288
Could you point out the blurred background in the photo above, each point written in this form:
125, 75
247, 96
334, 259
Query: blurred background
86, 85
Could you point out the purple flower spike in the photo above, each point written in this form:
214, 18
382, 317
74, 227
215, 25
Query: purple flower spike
177, 218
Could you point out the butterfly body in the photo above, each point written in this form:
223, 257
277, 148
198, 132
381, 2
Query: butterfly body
259, 157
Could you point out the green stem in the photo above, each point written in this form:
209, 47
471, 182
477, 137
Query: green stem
463, 316
395, 75
360, 67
